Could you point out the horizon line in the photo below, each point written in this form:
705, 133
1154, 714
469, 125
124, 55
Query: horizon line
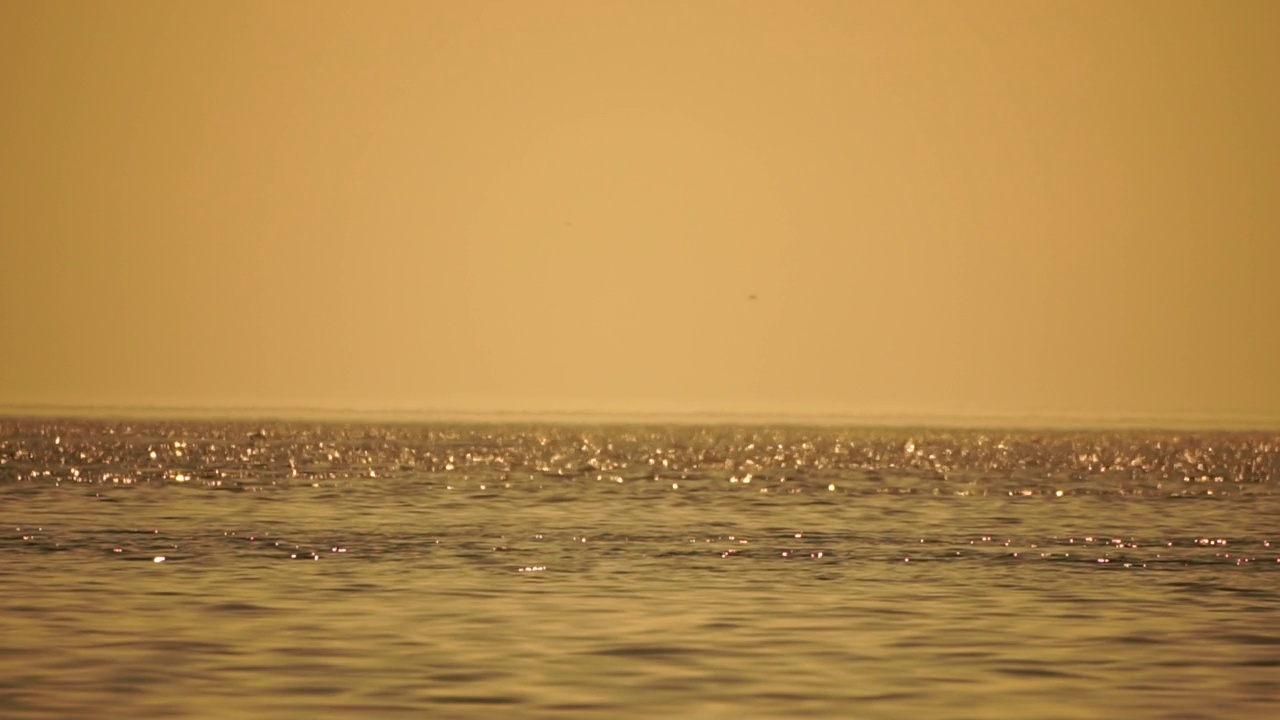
940, 420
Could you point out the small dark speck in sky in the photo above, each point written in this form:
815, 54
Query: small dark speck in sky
752, 296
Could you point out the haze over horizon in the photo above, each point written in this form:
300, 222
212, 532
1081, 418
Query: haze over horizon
856, 209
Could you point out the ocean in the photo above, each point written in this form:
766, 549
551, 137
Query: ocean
328, 570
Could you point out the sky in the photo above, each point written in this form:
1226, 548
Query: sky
858, 209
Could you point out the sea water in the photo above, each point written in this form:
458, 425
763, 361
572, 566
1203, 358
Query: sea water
214, 570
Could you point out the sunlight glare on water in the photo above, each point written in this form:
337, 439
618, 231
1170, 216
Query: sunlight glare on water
222, 570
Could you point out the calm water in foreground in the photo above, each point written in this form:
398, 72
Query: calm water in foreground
328, 571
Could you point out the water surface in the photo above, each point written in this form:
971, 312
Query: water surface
333, 571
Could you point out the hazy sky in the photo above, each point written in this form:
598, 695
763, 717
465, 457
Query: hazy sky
1056, 208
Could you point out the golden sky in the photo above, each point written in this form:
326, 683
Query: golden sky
1063, 209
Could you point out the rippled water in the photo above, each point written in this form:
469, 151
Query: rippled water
302, 571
